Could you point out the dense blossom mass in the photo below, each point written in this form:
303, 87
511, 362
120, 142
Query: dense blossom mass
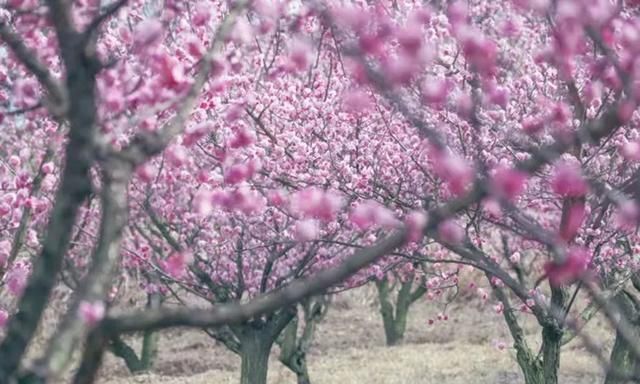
271, 146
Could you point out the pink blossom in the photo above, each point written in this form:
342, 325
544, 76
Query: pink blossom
454, 170
496, 282
170, 71
4, 318
91, 313
235, 174
47, 168
316, 203
499, 96
196, 49
194, 133
464, 104
146, 172
420, 16
16, 279
176, 264
508, 183
415, 222
567, 180
201, 14
457, 12
203, 203
276, 198
500, 345
492, 208
510, 28
573, 220
299, 56
574, 265
14, 161
401, 70
410, 39
5, 249
631, 150
356, 101
450, 232
371, 213
306, 230
435, 91
148, 32
532, 125
480, 51
484, 295
625, 111
627, 215
242, 138
176, 155
5, 209
26, 91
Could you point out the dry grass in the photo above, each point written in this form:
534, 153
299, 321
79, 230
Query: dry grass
349, 348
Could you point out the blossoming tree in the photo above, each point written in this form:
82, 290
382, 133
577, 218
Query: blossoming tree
253, 154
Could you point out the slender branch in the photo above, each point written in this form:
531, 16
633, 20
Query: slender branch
148, 144
97, 281
73, 190
57, 95
109, 11
235, 313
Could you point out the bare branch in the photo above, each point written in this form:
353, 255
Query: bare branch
110, 10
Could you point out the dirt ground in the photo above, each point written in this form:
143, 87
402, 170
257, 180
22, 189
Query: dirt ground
349, 348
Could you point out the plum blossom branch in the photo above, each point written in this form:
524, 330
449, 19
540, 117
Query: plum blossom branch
58, 99
145, 145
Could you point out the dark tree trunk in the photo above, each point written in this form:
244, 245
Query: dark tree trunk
552, 334
551, 340
254, 351
394, 320
291, 355
149, 350
255, 340
294, 346
623, 362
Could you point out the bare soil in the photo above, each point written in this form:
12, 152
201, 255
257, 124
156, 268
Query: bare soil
349, 348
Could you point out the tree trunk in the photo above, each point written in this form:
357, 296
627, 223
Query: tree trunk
292, 355
530, 367
403, 303
149, 349
529, 364
121, 349
552, 334
254, 352
551, 338
395, 322
150, 338
622, 361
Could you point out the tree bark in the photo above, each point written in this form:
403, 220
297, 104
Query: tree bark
149, 348
623, 363
256, 339
255, 349
395, 321
552, 333
551, 338
291, 355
